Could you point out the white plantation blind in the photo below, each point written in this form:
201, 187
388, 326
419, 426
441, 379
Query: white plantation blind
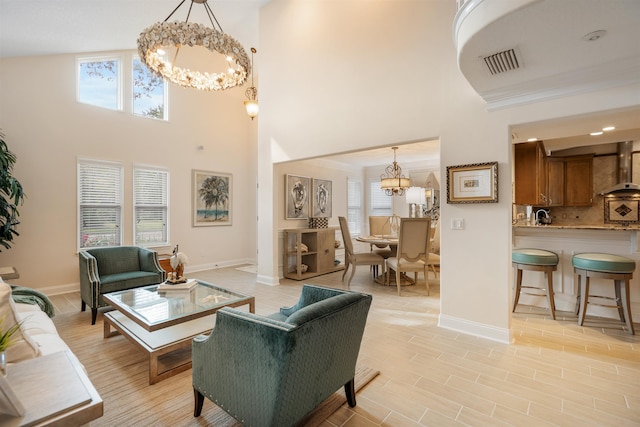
151, 201
354, 206
99, 203
381, 204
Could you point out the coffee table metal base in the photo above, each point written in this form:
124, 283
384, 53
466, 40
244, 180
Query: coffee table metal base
164, 342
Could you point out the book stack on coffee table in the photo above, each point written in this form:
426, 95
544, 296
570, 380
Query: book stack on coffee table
170, 287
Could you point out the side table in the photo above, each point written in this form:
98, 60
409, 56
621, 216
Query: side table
54, 390
8, 273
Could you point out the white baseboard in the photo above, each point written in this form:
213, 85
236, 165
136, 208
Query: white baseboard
476, 329
66, 288
268, 280
60, 289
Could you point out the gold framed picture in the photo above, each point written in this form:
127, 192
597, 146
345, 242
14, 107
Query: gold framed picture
473, 183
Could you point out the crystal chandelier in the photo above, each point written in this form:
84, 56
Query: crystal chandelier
392, 181
251, 104
162, 35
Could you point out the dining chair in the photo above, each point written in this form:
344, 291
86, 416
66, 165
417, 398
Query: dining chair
380, 226
413, 250
434, 250
352, 259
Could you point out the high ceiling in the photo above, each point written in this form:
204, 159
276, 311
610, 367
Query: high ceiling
547, 34
48, 27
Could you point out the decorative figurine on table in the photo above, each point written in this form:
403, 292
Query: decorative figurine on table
178, 260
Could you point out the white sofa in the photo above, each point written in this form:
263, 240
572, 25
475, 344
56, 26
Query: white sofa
38, 335
40, 328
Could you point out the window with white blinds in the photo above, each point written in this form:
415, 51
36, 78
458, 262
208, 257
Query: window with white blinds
381, 204
99, 203
354, 206
151, 206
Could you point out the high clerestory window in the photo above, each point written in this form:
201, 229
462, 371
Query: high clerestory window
101, 82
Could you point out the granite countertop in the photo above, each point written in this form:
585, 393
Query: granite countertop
611, 227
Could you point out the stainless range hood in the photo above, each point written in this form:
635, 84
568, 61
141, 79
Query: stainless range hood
624, 185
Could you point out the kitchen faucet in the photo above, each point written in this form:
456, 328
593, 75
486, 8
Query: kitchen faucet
546, 219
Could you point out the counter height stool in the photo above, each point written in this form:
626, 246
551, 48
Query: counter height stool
535, 260
605, 266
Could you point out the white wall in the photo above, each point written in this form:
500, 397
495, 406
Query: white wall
48, 130
338, 76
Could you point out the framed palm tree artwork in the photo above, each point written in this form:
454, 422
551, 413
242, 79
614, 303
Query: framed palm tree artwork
212, 198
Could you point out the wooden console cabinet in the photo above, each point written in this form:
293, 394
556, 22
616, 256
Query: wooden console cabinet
319, 255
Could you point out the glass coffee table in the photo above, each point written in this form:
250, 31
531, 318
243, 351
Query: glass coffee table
164, 323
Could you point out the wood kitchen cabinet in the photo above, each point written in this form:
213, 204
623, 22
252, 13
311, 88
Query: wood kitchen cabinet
555, 181
530, 168
551, 181
578, 180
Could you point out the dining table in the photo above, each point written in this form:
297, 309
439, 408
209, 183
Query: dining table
381, 241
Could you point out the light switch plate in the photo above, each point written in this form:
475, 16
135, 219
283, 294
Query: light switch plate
457, 223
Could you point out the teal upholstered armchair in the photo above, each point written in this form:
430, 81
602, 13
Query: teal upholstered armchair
104, 270
273, 370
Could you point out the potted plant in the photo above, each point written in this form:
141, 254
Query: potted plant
6, 339
11, 194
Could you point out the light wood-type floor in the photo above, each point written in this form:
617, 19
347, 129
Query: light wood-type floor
556, 373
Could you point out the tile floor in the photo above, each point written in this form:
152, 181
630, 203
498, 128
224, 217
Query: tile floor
556, 373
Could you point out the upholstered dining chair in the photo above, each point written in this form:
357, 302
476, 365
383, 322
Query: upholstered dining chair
380, 226
413, 250
434, 250
352, 259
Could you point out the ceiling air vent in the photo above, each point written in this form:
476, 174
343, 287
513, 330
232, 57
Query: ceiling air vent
502, 62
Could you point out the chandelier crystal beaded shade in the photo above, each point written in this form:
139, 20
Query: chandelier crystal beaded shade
161, 35
392, 181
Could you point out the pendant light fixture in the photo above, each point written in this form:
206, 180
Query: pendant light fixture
155, 40
392, 181
251, 104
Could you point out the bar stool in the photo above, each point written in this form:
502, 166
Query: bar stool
605, 266
535, 260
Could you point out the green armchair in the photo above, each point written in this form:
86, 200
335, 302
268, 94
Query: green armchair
273, 370
104, 270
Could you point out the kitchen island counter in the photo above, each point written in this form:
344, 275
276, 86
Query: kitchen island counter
608, 227
568, 240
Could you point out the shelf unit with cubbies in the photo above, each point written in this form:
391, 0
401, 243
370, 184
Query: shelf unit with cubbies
318, 253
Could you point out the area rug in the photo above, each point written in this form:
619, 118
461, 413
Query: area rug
119, 371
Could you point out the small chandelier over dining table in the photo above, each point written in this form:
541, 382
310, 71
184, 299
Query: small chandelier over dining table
162, 35
392, 181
